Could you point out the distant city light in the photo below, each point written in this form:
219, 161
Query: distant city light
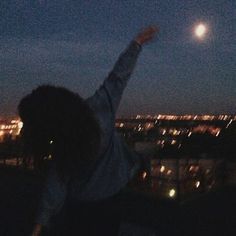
162, 169
144, 175
229, 123
121, 125
10, 127
197, 184
163, 132
191, 168
176, 132
172, 193
20, 124
173, 142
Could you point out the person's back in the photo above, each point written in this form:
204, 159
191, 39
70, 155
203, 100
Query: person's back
91, 163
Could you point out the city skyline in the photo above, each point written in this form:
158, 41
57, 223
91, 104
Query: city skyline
166, 116
75, 44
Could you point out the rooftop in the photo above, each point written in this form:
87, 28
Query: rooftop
209, 214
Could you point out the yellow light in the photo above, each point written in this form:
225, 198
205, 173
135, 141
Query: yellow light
163, 142
176, 132
197, 184
144, 175
191, 168
173, 142
20, 125
172, 193
162, 169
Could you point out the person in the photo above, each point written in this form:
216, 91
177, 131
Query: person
90, 161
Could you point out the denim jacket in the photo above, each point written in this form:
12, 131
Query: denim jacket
116, 162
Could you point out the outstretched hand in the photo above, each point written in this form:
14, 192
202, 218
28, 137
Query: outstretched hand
146, 35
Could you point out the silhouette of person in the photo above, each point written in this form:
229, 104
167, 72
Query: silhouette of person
90, 162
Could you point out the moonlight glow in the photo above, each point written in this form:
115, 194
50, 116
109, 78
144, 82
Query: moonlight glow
200, 31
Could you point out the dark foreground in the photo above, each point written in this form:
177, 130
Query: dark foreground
211, 214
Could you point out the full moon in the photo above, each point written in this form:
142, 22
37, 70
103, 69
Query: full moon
200, 30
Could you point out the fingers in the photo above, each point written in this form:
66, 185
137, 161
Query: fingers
151, 29
147, 34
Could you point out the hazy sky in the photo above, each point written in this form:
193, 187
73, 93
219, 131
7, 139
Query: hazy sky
75, 43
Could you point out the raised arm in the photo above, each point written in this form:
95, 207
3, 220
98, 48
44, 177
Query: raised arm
108, 96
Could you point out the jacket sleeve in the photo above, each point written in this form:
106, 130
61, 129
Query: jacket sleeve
52, 199
108, 96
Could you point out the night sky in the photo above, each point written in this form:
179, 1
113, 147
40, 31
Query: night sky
75, 43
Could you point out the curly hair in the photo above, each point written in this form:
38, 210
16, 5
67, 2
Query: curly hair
56, 116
